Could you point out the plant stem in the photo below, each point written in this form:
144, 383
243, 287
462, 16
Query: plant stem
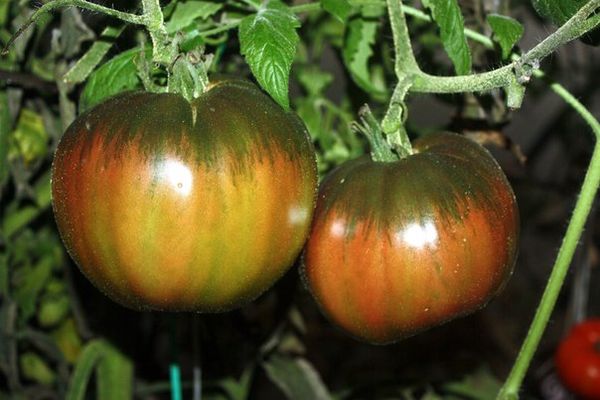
163, 52
582, 209
405, 62
48, 7
405, 67
580, 23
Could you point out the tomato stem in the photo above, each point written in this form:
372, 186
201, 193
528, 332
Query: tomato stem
582, 209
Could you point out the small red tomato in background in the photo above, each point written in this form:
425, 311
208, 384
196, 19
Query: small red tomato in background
174, 205
398, 247
578, 359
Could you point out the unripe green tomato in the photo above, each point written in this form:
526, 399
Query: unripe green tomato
174, 205
399, 247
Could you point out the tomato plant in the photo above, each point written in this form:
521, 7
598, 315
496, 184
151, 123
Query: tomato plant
182, 193
577, 359
398, 247
171, 205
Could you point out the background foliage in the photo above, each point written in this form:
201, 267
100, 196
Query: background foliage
59, 337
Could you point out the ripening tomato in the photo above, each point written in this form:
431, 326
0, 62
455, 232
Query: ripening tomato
578, 359
398, 247
174, 205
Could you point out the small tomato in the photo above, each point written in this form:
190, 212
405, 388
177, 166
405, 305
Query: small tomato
578, 359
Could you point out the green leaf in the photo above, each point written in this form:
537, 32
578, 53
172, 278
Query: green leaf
238, 389
481, 384
52, 310
34, 279
116, 75
20, 217
507, 32
296, 378
86, 64
114, 376
36, 369
4, 280
314, 80
558, 11
268, 41
357, 51
29, 140
447, 16
340, 9
87, 362
5, 129
187, 12
4, 11
67, 338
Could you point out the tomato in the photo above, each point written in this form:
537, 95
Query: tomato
174, 205
398, 247
578, 359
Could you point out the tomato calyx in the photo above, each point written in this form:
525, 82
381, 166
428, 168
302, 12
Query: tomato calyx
384, 148
186, 74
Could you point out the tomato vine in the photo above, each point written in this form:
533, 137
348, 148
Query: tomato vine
391, 132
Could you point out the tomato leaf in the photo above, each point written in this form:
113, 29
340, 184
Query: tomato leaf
29, 139
340, 9
314, 80
507, 32
558, 11
115, 76
114, 376
480, 384
268, 41
447, 16
33, 282
4, 279
296, 378
90, 60
36, 369
357, 50
89, 358
5, 129
187, 12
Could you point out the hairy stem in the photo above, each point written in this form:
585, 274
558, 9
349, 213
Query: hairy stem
48, 7
405, 59
582, 209
163, 52
581, 212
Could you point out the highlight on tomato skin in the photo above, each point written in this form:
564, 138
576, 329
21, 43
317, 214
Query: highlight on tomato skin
170, 205
577, 359
397, 248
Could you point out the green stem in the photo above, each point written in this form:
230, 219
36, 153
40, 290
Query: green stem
405, 67
163, 51
48, 7
393, 121
405, 62
581, 212
582, 209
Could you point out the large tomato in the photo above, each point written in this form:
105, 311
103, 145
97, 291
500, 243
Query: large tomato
399, 247
171, 205
578, 359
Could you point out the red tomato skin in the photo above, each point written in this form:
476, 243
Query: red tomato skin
577, 360
170, 205
396, 248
